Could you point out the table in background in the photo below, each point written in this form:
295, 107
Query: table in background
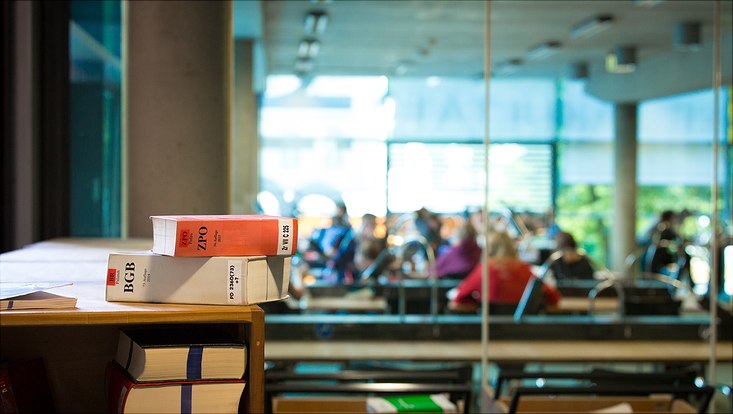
574, 351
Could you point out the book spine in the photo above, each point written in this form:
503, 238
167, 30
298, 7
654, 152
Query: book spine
206, 238
214, 281
126, 395
117, 386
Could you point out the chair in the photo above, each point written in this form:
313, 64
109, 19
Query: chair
705, 394
532, 300
604, 384
602, 377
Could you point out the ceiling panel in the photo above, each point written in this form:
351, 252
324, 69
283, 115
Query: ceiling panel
446, 38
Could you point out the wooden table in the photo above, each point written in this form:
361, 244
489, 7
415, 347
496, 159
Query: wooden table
499, 351
581, 305
353, 304
77, 343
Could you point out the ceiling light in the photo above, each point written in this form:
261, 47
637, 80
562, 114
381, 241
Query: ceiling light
543, 50
591, 26
508, 67
315, 22
622, 60
647, 4
687, 36
401, 68
303, 65
308, 48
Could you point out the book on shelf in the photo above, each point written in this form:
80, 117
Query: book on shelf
33, 296
224, 235
158, 354
124, 395
222, 280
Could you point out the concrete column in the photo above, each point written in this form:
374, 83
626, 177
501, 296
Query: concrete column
23, 196
623, 227
245, 140
178, 57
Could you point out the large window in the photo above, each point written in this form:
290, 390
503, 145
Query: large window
395, 146
450, 177
326, 137
399, 145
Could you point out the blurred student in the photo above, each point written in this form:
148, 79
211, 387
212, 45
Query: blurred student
369, 245
664, 244
461, 257
508, 277
333, 248
569, 263
429, 226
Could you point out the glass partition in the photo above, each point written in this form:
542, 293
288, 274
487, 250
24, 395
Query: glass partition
408, 138
95, 111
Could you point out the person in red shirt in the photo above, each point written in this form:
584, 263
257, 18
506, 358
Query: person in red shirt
508, 277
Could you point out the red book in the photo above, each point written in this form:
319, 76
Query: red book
224, 235
198, 396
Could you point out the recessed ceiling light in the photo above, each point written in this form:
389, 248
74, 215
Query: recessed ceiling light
508, 67
308, 48
544, 50
315, 22
647, 4
591, 26
303, 65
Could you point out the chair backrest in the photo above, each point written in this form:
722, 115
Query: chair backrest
600, 383
531, 301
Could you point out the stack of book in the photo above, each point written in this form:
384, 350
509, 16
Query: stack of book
207, 259
176, 370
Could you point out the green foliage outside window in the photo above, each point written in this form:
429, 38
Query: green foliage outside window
586, 211
654, 199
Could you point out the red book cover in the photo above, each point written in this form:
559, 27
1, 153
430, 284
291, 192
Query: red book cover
198, 396
224, 235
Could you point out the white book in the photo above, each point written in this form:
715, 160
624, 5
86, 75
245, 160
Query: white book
220, 280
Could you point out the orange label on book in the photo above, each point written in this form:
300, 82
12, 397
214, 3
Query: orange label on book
183, 238
111, 275
225, 235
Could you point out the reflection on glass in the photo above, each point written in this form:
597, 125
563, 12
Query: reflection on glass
396, 142
95, 110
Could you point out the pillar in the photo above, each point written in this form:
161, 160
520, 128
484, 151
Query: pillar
623, 226
245, 139
176, 109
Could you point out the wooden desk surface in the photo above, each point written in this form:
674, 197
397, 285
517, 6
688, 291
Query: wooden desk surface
84, 263
499, 351
76, 344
